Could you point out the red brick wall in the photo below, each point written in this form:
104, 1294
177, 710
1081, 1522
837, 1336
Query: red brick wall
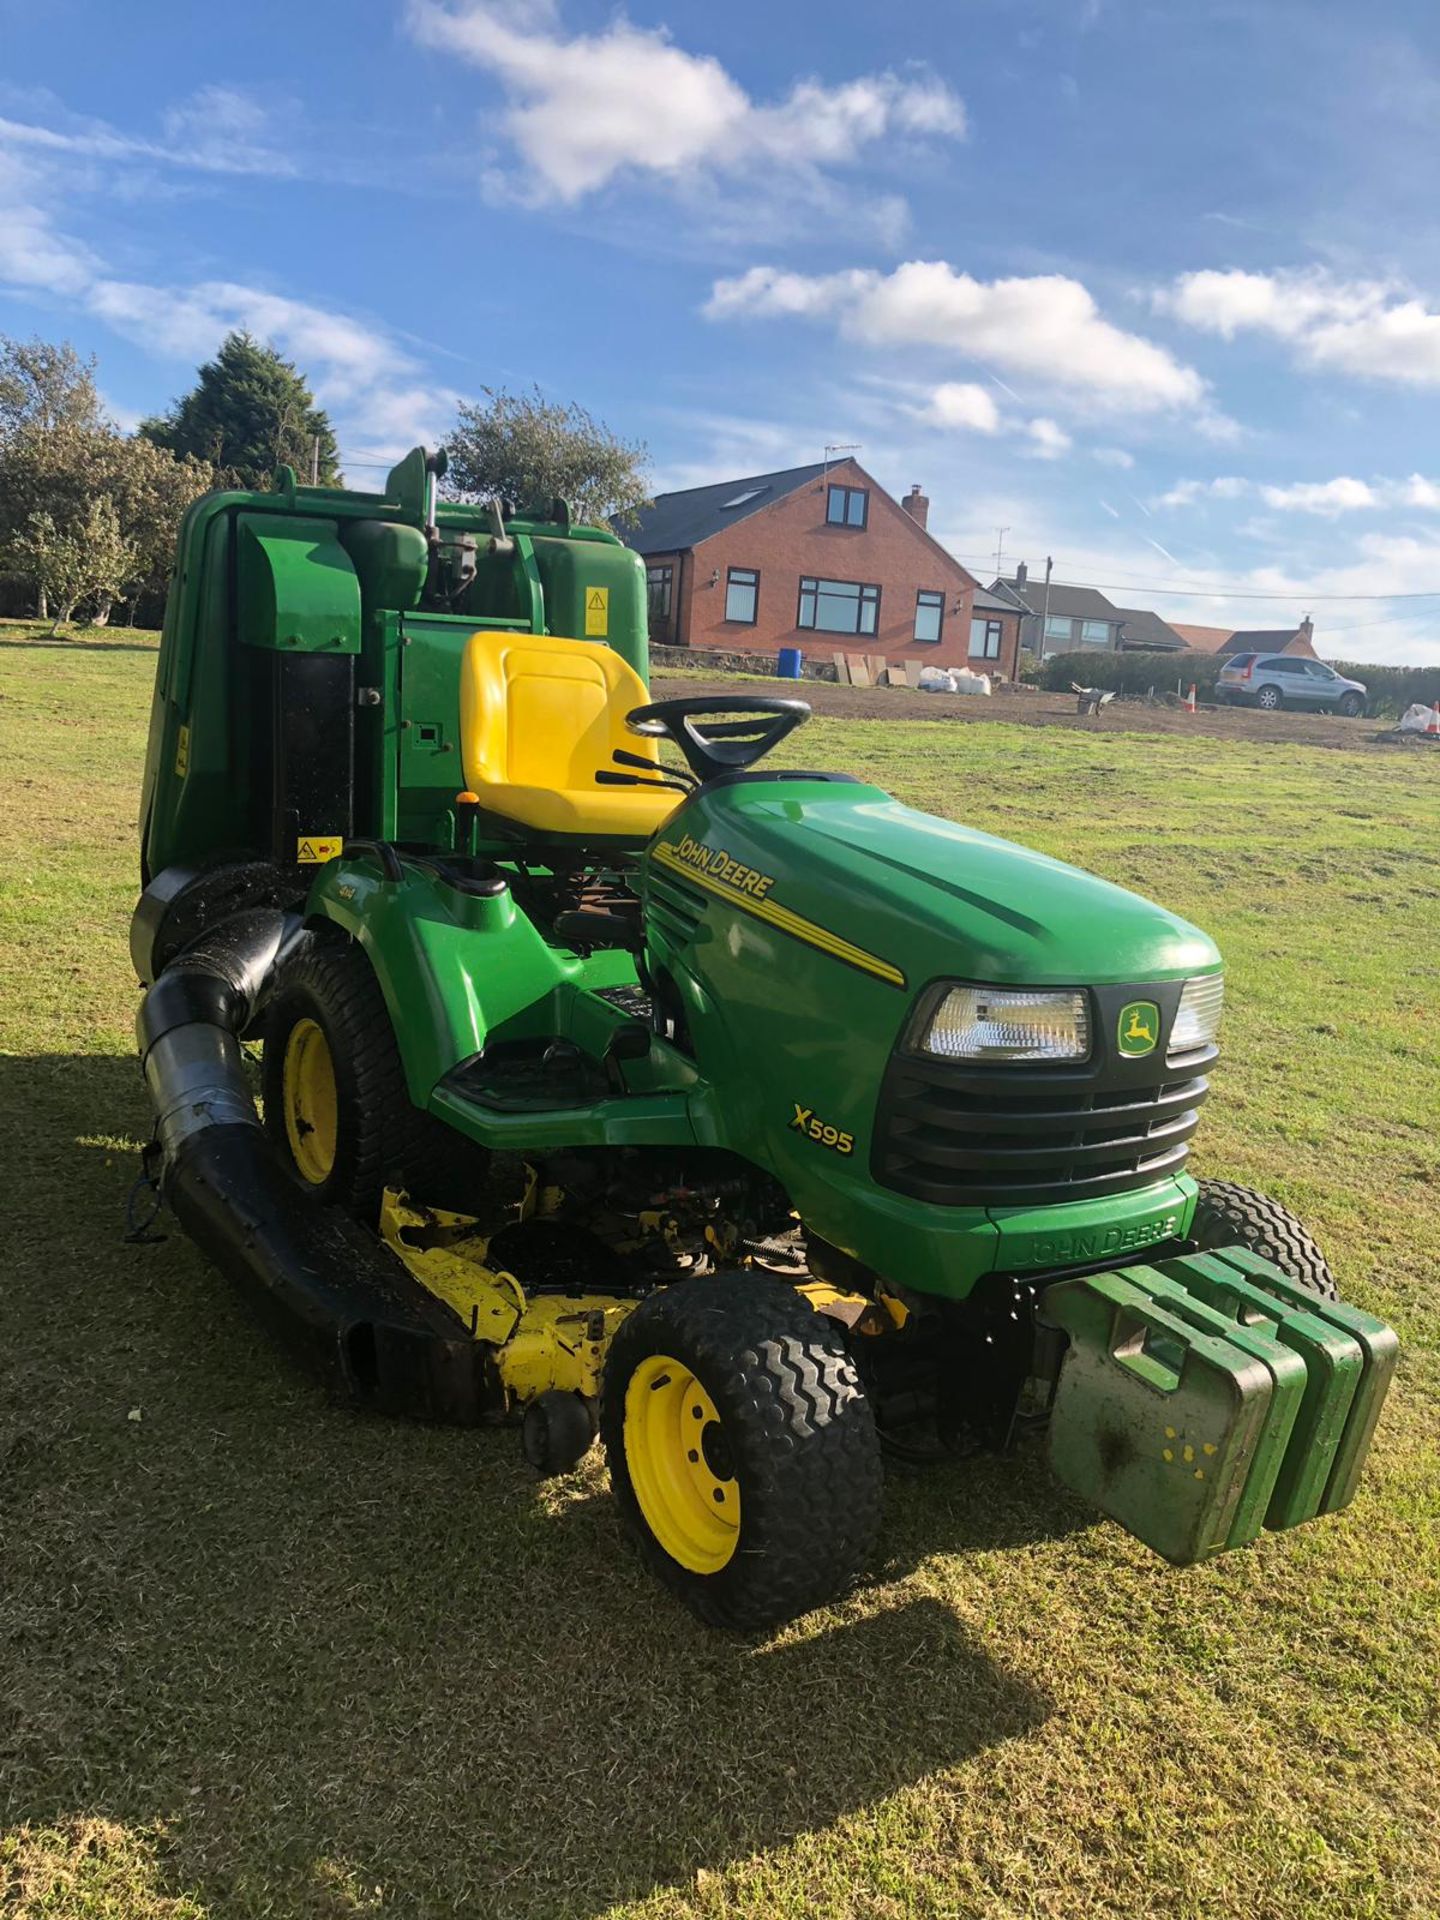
790, 539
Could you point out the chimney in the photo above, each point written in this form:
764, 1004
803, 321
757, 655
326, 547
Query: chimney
916, 505
1022, 574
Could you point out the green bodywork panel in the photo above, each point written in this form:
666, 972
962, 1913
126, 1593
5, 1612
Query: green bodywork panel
296, 586
1193, 1424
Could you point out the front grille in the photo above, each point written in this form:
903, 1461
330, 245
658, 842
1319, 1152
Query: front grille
961, 1138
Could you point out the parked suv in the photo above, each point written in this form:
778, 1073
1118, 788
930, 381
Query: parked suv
1288, 680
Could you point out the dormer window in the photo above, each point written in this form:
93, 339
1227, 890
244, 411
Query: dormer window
847, 506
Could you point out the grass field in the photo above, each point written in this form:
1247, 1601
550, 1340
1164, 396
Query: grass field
262, 1658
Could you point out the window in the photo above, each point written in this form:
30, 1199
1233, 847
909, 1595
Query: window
753, 494
838, 606
1319, 671
929, 616
657, 591
1282, 666
847, 506
1094, 633
742, 595
1057, 628
984, 638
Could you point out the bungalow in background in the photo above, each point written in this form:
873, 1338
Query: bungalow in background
1227, 640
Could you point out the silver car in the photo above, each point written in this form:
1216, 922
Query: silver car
1273, 680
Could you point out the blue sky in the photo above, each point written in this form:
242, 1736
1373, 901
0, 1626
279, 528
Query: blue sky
1152, 284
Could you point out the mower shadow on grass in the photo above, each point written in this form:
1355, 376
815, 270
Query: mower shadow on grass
320, 1653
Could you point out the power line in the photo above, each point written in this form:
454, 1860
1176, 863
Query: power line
1209, 589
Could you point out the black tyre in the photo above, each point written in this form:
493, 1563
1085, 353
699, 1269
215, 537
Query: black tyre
742, 1449
1351, 705
336, 1105
1230, 1216
1269, 698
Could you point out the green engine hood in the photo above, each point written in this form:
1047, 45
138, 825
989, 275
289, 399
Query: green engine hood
935, 897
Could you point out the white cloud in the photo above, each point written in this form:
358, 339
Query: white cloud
963, 405
216, 130
34, 255
1326, 497
1186, 492
1375, 329
1113, 457
1046, 326
368, 380
1050, 442
587, 107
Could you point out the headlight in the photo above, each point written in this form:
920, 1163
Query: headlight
998, 1023
1197, 1020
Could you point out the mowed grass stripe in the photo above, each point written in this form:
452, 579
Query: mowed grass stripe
260, 1657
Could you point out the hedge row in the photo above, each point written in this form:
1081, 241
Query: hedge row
1131, 673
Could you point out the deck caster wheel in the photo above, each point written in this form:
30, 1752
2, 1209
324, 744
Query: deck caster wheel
742, 1449
557, 1432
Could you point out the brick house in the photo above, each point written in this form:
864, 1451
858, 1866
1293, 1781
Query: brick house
821, 558
1056, 618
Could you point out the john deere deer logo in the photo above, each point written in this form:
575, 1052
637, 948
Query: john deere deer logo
1138, 1029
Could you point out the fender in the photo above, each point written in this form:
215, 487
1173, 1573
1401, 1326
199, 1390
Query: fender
445, 989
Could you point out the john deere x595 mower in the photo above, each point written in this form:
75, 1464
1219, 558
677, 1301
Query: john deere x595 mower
623, 1078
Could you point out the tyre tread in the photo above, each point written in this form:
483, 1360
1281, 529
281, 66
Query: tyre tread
793, 1406
1228, 1214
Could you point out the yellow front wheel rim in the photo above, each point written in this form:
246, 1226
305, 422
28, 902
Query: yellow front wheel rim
680, 1465
308, 1091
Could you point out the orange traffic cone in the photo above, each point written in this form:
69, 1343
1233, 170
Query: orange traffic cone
1433, 725
1190, 702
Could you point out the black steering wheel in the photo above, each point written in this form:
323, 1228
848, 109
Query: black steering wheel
727, 745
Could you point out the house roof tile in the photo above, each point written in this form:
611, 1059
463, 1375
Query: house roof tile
674, 521
1060, 601
1145, 629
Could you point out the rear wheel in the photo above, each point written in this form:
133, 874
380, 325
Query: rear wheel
1269, 698
336, 1105
742, 1449
1227, 1215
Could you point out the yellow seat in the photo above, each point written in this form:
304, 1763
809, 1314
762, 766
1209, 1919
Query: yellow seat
539, 717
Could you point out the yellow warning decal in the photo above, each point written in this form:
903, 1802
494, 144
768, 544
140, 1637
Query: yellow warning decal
182, 753
597, 613
314, 849
667, 854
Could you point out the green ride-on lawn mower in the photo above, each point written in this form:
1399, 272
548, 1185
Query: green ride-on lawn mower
621, 1077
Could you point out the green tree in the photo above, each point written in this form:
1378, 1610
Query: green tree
44, 385
249, 412
56, 475
88, 560
528, 450
150, 490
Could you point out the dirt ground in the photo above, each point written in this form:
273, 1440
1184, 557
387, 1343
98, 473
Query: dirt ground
1029, 708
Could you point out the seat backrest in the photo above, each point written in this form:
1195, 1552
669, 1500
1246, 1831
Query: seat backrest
540, 711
